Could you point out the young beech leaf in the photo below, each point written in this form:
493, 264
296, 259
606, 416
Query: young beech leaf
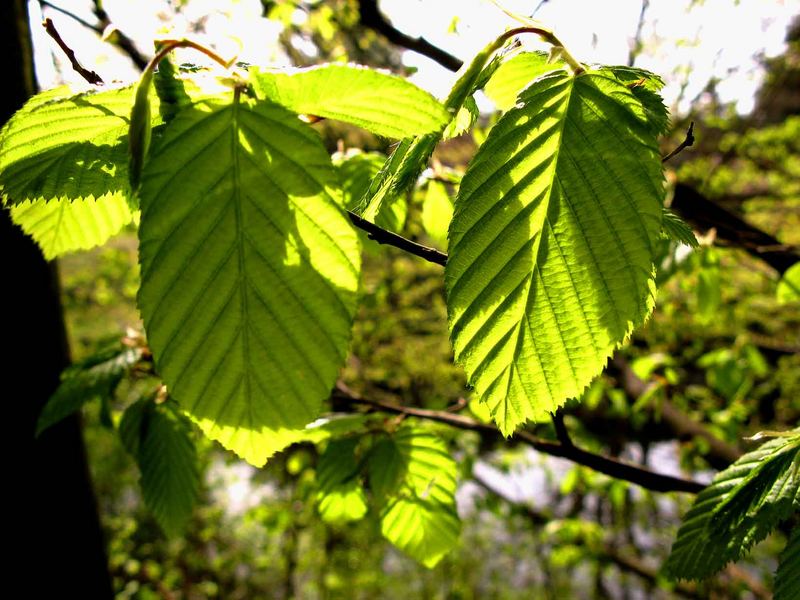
379, 102
139, 132
409, 158
249, 271
787, 578
341, 496
515, 74
97, 376
414, 478
743, 504
159, 438
552, 243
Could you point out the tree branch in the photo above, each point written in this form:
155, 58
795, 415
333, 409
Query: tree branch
705, 214
371, 17
88, 75
602, 464
382, 236
687, 141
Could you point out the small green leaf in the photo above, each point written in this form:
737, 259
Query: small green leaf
677, 229
515, 74
787, 578
249, 271
437, 211
419, 513
743, 504
465, 118
552, 244
140, 129
159, 438
379, 102
789, 285
356, 173
63, 226
341, 497
95, 377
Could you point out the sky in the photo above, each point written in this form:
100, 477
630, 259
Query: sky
687, 41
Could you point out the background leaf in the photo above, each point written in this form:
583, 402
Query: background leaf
552, 243
437, 211
97, 376
379, 102
789, 285
787, 579
158, 436
743, 504
341, 496
419, 515
249, 272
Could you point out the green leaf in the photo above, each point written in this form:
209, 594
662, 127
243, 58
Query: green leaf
356, 173
787, 578
677, 229
249, 272
515, 74
407, 161
645, 86
740, 507
159, 438
95, 377
465, 118
341, 497
379, 102
419, 514
67, 146
140, 129
552, 243
62, 226
789, 285
437, 211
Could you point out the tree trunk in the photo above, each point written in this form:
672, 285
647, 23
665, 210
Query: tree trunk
56, 541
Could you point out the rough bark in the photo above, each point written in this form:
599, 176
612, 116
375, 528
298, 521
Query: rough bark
56, 543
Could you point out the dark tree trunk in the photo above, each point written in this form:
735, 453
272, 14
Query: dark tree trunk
56, 546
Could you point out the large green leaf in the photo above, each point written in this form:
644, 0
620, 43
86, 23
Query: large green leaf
552, 243
96, 376
415, 478
341, 496
787, 578
63, 145
61, 226
384, 104
249, 271
159, 438
743, 504
515, 74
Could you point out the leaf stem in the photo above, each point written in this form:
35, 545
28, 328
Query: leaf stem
547, 36
168, 46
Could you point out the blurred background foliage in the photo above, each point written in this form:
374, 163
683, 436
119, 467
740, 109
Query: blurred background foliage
719, 360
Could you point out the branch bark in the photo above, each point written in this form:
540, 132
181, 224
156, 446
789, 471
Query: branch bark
602, 464
372, 17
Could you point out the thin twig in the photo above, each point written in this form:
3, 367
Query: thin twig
562, 435
382, 236
96, 28
612, 467
88, 75
688, 141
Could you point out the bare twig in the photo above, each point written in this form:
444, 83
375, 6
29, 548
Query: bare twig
88, 75
602, 464
561, 430
122, 41
382, 236
636, 47
96, 28
687, 141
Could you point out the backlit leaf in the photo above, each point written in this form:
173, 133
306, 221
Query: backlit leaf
249, 272
552, 244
